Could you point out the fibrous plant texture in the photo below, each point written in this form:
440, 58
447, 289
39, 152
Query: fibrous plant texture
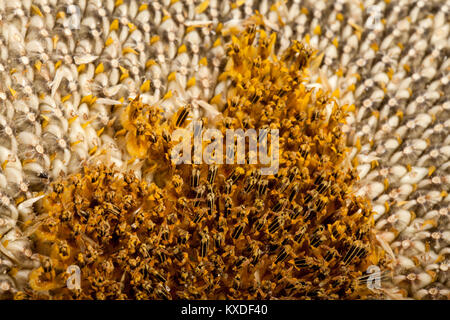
216, 231
68, 69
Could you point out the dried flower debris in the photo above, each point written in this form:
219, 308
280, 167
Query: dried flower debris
63, 91
219, 231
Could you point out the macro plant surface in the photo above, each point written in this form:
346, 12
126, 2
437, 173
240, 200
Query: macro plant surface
358, 88
219, 231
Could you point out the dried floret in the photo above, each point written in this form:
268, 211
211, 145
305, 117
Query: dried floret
218, 231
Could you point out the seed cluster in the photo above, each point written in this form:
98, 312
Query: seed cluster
100, 221
66, 75
220, 231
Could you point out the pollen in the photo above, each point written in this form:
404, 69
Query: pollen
219, 231
351, 98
